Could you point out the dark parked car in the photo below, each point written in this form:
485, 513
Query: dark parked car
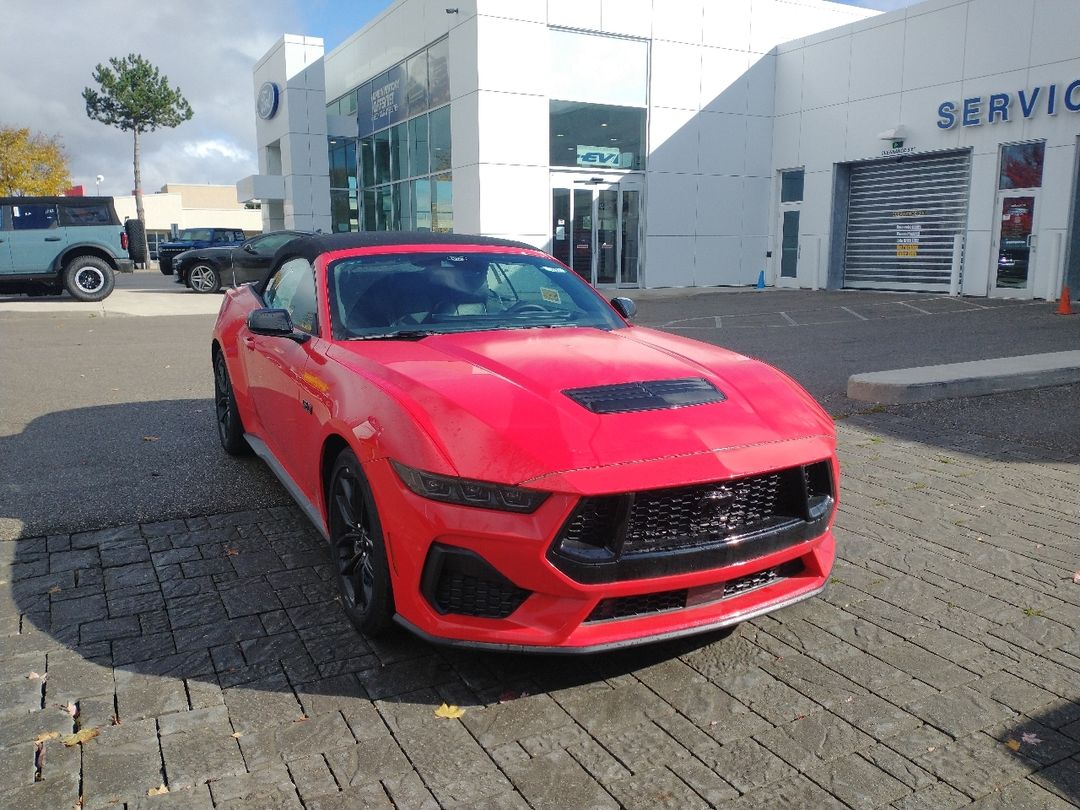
207, 269
191, 238
49, 244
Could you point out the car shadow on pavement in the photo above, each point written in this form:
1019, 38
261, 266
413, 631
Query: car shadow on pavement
134, 622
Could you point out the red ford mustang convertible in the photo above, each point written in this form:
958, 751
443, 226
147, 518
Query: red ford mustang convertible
499, 459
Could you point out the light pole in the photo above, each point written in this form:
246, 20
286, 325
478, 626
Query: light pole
97, 184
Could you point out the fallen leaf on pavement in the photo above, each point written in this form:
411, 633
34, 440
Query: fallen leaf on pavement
511, 694
79, 737
71, 709
237, 734
302, 718
231, 552
1076, 577
449, 712
1012, 744
46, 735
1030, 739
55, 589
32, 676
158, 791
151, 438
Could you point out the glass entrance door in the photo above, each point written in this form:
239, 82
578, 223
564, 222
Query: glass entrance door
1015, 244
596, 227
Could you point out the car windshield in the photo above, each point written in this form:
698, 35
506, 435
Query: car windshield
195, 235
412, 295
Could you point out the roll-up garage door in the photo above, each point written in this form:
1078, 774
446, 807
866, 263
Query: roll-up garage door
903, 215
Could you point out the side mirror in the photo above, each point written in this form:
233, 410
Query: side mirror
275, 323
625, 307
249, 248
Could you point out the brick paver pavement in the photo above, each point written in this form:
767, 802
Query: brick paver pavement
940, 669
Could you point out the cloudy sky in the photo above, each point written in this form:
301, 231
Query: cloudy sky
206, 47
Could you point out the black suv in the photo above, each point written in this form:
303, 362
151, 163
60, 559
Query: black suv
49, 244
206, 269
190, 238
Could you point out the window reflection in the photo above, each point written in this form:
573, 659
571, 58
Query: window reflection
598, 136
1022, 165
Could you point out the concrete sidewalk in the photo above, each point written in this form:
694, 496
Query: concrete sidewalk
973, 379
144, 293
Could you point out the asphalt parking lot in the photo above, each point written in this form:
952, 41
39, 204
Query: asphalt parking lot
172, 600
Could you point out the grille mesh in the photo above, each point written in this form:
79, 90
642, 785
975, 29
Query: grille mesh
678, 518
625, 607
469, 595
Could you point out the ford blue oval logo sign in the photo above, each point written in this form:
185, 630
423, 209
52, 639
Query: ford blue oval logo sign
267, 103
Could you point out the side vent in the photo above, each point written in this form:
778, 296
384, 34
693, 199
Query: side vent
657, 395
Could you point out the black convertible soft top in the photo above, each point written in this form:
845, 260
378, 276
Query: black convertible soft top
308, 247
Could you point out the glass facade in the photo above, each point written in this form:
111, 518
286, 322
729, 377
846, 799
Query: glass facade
399, 177
597, 136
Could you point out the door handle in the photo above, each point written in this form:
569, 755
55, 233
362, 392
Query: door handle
250, 343
52, 238
1031, 241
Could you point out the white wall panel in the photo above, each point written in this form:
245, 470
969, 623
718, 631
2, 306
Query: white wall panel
724, 81
513, 129
670, 261
824, 133
1054, 31
789, 82
758, 150
825, 73
574, 14
761, 85
675, 75
718, 153
727, 25
529, 10
719, 206
787, 131
673, 140
716, 261
678, 20
503, 206
512, 59
631, 18
998, 36
933, 53
867, 119
756, 194
877, 61
662, 218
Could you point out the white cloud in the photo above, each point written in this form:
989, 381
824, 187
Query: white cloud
206, 47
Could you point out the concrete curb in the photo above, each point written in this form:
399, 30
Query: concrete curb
974, 379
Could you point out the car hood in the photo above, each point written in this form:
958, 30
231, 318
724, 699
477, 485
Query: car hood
495, 405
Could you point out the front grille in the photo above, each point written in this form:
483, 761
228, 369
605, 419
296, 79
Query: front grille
655, 395
691, 516
625, 607
626, 536
456, 580
471, 596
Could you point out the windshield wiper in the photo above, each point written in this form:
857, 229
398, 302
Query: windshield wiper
401, 334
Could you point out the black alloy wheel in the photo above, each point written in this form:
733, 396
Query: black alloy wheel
357, 544
230, 427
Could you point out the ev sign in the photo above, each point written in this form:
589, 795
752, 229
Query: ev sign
599, 157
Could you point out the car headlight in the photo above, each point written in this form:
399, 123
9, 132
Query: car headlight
466, 492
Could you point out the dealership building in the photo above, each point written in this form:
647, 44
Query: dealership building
697, 142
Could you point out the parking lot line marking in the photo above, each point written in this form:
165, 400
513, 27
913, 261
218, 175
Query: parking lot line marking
791, 321
856, 314
912, 306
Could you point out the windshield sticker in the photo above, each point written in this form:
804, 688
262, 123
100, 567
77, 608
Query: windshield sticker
550, 295
550, 268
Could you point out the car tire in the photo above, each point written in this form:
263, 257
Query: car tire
136, 235
203, 277
356, 541
88, 278
230, 426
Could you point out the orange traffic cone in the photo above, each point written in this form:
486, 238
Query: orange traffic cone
1065, 302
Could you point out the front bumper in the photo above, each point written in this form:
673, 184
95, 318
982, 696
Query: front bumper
552, 610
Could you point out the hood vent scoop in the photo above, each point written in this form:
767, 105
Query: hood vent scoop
658, 395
